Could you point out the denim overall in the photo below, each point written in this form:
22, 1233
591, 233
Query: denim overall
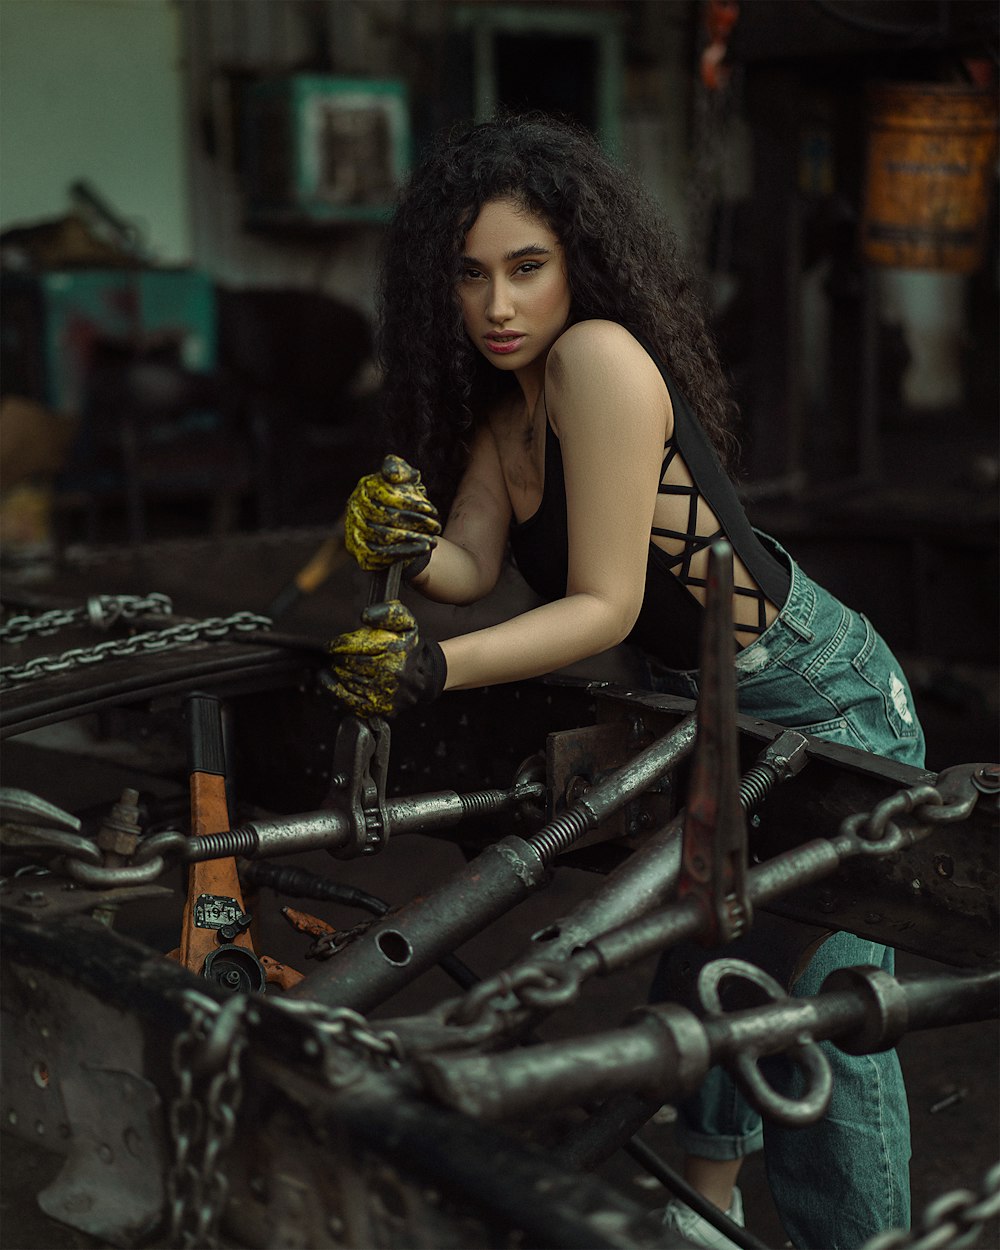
820, 668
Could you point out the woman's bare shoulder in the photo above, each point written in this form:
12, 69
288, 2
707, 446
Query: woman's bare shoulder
597, 333
595, 346
596, 367
599, 353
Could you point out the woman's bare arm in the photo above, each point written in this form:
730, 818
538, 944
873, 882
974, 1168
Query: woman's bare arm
466, 562
611, 411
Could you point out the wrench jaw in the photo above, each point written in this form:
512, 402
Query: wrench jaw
714, 856
360, 769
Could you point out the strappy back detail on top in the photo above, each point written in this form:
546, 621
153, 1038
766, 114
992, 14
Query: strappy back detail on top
669, 622
693, 542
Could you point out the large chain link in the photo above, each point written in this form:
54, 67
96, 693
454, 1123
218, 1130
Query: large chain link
212, 629
878, 833
950, 1222
545, 984
549, 984
205, 1060
345, 1027
99, 612
151, 858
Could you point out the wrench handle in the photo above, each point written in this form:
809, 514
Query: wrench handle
384, 584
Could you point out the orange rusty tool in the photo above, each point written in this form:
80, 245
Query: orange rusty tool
302, 922
214, 896
215, 941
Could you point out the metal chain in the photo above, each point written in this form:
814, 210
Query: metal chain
151, 858
331, 944
879, 834
225, 1093
951, 1222
212, 629
205, 1061
549, 984
186, 1122
345, 1027
100, 612
878, 826
546, 984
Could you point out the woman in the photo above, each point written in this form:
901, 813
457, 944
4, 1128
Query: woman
549, 368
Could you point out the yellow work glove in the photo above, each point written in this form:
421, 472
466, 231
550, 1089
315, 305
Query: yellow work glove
390, 518
385, 667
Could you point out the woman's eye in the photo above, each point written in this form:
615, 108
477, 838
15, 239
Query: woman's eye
529, 266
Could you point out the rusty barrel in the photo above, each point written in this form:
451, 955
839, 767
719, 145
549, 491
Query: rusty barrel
932, 151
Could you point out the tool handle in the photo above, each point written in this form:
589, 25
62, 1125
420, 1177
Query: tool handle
384, 583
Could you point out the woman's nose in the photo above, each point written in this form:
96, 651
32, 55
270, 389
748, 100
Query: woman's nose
500, 306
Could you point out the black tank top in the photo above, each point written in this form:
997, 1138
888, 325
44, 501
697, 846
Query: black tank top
669, 622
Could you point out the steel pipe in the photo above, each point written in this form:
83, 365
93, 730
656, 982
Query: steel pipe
396, 951
406, 943
333, 830
666, 1054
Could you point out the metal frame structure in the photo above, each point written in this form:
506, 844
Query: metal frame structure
210, 1094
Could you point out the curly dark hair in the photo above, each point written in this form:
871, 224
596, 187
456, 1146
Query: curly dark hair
623, 264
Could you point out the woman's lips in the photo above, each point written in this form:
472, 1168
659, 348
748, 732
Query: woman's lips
501, 345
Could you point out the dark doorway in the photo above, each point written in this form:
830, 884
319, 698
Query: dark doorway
554, 73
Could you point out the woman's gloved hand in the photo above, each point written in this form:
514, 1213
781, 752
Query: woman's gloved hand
390, 518
385, 667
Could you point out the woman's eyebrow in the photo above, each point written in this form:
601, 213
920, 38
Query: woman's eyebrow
532, 249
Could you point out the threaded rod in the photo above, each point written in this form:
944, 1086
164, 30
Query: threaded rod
485, 802
241, 841
756, 785
560, 834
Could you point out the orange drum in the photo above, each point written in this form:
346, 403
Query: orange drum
932, 152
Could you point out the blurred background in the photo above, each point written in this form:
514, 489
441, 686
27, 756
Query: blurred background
193, 195
192, 201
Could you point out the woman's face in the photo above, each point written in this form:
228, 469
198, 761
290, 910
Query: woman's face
513, 287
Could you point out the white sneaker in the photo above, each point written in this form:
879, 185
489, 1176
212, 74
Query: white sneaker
680, 1217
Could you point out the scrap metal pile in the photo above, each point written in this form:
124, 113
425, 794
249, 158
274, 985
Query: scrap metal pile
204, 1092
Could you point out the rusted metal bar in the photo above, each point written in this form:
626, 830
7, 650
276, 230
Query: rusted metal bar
395, 951
685, 919
667, 1053
614, 792
715, 839
874, 834
334, 830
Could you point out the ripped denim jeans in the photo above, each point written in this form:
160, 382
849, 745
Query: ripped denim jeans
820, 668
